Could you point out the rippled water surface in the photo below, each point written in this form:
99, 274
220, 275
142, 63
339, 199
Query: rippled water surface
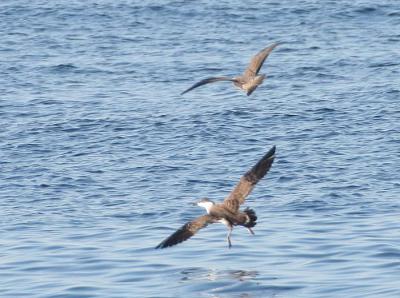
101, 158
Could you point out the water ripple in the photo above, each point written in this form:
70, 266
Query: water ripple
101, 157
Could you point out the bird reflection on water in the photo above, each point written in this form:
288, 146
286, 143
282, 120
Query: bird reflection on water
217, 283
213, 274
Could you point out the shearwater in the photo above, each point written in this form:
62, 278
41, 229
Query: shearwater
228, 211
249, 80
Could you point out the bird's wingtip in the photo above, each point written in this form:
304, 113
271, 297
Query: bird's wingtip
271, 152
186, 91
161, 245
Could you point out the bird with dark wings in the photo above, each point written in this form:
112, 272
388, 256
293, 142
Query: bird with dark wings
249, 80
228, 211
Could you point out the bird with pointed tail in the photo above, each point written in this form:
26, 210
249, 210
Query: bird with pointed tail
228, 211
249, 80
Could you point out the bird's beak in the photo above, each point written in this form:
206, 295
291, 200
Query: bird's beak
194, 204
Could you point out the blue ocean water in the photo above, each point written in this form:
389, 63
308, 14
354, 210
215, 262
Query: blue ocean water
101, 158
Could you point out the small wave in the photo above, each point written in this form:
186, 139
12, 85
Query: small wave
322, 110
308, 205
63, 67
365, 10
384, 64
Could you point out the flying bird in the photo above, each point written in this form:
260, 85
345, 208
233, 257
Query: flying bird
228, 211
249, 80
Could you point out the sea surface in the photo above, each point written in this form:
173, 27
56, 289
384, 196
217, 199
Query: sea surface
101, 157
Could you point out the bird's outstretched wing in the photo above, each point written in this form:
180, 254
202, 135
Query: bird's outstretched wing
257, 61
187, 231
249, 180
207, 81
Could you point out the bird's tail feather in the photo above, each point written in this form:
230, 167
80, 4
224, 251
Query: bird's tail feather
251, 214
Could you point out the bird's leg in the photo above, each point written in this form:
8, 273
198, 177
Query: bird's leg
251, 231
229, 236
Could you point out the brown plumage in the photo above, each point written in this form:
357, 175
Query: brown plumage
187, 231
228, 211
249, 80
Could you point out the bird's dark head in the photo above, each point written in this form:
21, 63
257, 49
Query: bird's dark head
205, 203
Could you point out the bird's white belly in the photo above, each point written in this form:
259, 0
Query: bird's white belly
224, 221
